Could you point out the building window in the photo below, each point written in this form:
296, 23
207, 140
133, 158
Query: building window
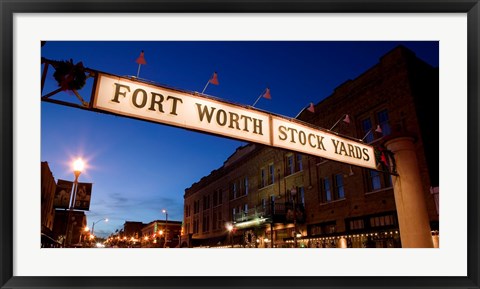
294, 163
339, 188
332, 188
234, 212
245, 184
267, 176
271, 174
374, 180
299, 162
217, 197
327, 190
206, 223
383, 221
214, 221
301, 195
244, 187
233, 190
206, 202
220, 196
290, 165
196, 207
367, 130
195, 226
220, 220
356, 224
245, 209
378, 180
322, 228
263, 179
383, 122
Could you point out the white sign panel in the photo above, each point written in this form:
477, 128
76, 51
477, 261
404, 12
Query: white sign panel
154, 103
136, 99
301, 138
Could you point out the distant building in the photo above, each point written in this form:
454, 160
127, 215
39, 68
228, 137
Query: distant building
273, 197
133, 229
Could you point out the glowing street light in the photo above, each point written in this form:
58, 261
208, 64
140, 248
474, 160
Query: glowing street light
229, 227
78, 166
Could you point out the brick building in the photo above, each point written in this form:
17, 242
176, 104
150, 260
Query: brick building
48, 187
273, 197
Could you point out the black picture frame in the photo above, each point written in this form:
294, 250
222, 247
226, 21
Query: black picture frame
10, 7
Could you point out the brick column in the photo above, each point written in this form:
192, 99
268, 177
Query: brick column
409, 196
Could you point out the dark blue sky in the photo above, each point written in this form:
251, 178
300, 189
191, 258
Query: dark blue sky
139, 168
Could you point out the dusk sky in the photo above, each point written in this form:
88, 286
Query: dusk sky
139, 168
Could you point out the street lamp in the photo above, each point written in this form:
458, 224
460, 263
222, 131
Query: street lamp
78, 166
93, 226
293, 192
166, 229
230, 229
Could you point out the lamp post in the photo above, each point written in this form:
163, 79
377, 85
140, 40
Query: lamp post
293, 192
166, 229
93, 226
78, 166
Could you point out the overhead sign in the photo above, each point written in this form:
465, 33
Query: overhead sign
155, 103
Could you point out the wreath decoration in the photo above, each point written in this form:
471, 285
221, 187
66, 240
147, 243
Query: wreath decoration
385, 160
69, 76
250, 238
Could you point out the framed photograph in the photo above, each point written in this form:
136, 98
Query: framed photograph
239, 144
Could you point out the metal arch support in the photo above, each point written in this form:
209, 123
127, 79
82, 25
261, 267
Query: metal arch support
47, 63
